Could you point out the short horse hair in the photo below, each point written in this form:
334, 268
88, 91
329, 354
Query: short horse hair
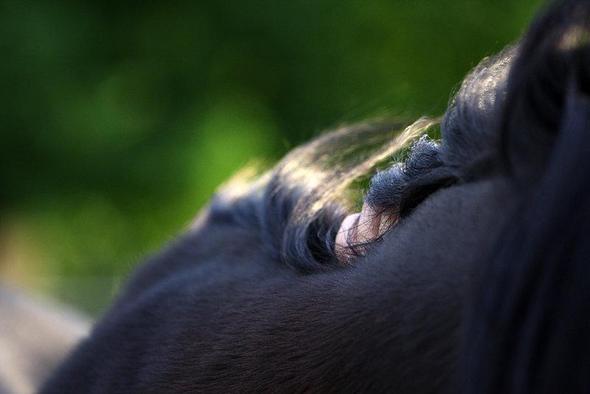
480, 287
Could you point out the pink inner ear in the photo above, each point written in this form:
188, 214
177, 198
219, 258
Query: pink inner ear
360, 228
346, 234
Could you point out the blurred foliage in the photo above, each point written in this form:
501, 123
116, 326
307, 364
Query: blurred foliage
119, 118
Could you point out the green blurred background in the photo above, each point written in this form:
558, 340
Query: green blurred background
119, 118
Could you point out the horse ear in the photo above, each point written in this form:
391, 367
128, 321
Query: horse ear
552, 61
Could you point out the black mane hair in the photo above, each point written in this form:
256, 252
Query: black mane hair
299, 219
298, 206
528, 326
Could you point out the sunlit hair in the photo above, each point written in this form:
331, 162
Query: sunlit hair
299, 205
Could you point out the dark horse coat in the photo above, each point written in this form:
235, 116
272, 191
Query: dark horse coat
481, 286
